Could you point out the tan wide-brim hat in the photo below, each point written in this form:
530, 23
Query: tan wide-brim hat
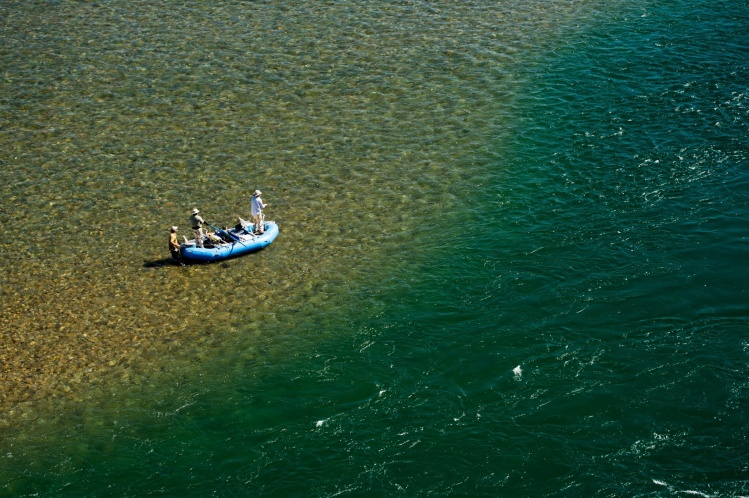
257, 193
195, 211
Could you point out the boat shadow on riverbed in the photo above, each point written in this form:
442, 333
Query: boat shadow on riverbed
159, 263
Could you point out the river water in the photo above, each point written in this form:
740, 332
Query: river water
512, 260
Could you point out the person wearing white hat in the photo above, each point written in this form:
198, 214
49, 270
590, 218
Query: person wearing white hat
256, 209
174, 246
197, 227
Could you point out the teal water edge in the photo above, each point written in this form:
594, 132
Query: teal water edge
512, 260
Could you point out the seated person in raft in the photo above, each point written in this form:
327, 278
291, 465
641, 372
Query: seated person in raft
213, 239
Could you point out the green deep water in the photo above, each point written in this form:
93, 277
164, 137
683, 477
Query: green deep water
513, 257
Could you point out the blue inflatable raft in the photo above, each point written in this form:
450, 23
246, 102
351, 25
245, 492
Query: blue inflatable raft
229, 243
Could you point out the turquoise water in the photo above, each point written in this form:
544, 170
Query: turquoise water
562, 310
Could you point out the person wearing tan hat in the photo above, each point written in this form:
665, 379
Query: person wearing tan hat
256, 209
197, 227
174, 246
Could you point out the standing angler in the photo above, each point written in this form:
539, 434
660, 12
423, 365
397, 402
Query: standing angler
197, 227
174, 246
256, 209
